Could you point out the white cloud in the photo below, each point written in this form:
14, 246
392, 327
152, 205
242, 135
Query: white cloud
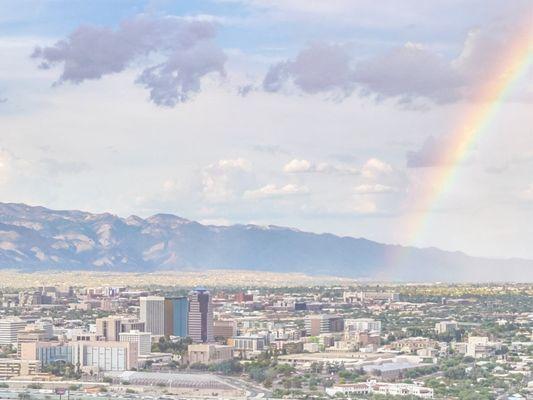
296, 166
237, 163
169, 185
327, 168
375, 167
5, 165
302, 166
271, 190
527, 193
364, 206
374, 189
226, 179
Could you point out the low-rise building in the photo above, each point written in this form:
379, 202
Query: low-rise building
208, 353
356, 325
445, 327
10, 368
225, 328
247, 346
88, 355
383, 388
481, 347
143, 340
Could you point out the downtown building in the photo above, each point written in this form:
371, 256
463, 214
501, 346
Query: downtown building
111, 327
88, 355
317, 324
9, 330
176, 316
356, 325
152, 313
200, 322
142, 339
105, 356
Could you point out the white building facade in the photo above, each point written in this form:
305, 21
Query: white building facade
153, 314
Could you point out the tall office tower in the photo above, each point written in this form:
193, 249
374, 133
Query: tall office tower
153, 314
200, 316
176, 316
9, 329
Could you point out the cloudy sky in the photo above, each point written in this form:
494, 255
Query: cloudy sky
327, 116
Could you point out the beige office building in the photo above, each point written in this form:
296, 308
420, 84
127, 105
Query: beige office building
208, 353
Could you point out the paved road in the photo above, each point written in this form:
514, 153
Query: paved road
253, 391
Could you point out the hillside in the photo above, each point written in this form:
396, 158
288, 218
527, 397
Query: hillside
37, 239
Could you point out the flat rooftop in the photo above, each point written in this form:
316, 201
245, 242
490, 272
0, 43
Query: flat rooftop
176, 380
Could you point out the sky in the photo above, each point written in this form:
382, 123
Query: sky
325, 116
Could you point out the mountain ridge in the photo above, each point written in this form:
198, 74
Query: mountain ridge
35, 238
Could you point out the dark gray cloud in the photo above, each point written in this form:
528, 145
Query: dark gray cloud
186, 48
409, 72
172, 82
405, 73
245, 90
429, 155
318, 68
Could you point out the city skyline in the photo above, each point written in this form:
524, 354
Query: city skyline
266, 199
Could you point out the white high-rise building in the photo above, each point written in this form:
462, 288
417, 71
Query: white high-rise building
9, 329
153, 314
143, 340
105, 355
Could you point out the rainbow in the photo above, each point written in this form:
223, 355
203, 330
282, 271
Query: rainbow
487, 100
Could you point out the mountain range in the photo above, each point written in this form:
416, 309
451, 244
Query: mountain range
38, 239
